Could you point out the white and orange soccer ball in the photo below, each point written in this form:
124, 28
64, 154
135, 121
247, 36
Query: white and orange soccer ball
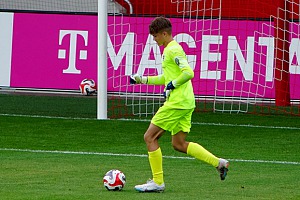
87, 87
114, 180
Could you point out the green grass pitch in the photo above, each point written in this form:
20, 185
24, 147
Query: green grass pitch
65, 155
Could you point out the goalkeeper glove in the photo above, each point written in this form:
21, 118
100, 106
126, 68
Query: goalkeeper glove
168, 90
136, 79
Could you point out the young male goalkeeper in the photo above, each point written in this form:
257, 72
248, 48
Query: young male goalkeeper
175, 115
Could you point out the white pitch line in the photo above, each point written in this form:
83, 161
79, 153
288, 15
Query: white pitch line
146, 120
141, 155
249, 126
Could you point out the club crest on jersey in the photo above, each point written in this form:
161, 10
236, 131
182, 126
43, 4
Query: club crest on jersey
177, 61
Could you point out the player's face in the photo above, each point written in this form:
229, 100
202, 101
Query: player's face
159, 38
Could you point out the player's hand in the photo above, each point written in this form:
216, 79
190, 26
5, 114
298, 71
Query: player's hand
168, 90
135, 79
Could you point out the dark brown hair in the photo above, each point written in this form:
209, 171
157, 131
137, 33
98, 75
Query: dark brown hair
160, 24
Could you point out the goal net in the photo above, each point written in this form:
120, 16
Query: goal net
131, 49
245, 55
262, 63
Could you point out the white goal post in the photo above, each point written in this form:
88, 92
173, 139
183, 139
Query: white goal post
102, 60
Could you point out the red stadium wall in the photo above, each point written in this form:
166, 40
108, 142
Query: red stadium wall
230, 8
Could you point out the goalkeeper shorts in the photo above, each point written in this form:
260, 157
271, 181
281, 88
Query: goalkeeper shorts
173, 120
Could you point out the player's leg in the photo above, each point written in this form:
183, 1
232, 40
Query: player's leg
179, 143
193, 149
151, 137
155, 156
197, 151
200, 153
164, 119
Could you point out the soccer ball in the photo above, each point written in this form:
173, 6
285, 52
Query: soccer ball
114, 180
87, 87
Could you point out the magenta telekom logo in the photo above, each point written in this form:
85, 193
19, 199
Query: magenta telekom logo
74, 34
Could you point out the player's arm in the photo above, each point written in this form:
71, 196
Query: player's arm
186, 72
151, 80
156, 80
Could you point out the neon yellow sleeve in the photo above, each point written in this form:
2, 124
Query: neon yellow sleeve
156, 80
186, 73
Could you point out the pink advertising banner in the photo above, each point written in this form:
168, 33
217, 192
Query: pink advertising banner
56, 51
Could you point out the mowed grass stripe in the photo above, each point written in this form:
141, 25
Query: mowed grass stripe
141, 155
194, 123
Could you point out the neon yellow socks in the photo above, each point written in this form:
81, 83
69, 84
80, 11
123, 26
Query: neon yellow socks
195, 150
155, 160
200, 153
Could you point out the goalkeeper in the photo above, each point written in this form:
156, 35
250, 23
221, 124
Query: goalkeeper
176, 113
